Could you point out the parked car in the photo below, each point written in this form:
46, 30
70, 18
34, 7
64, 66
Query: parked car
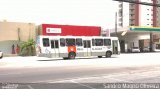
146, 49
1, 54
135, 49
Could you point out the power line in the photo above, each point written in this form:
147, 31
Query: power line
137, 2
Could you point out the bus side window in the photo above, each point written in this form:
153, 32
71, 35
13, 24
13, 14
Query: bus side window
107, 42
62, 42
85, 44
93, 42
52, 44
79, 42
99, 42
45, 42
70, 42
56, 44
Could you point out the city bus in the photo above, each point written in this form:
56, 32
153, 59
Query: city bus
70, 47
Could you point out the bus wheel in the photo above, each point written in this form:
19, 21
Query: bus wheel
65, 58
108, 54
99, 56
72, 55
1, 56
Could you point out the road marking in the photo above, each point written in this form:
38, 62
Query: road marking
10, 73
109, 76
30, 87
83, 84
119, 80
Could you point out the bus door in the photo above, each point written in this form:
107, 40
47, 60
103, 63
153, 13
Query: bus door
54, 48
45, 47
79, 46
87, 47
115, 46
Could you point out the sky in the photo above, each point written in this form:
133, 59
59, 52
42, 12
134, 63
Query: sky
67, 12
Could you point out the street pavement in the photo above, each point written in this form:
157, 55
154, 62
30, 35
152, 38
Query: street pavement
81, 73
123, 60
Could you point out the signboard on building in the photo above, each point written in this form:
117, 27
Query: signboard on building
53, 30
72, 30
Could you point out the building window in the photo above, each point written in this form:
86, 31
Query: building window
120, 19
131, 14
157, 46
131, 19
132, 4
120, 24
131, 9
120, 5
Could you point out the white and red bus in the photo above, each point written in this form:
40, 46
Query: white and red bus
69, 47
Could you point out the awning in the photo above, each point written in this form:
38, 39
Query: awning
151, 29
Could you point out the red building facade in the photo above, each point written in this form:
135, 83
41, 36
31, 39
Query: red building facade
69, 30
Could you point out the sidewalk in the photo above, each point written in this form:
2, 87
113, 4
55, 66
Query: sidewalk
123, 60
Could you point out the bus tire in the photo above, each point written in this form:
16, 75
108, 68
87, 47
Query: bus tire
1, 56
71, 55
108, 54
65, 58
99, 56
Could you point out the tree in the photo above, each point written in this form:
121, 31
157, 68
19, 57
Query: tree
27, 48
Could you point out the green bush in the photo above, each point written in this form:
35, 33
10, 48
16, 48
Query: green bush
27, 48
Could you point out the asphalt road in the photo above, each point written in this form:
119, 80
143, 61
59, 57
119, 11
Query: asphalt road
77, 78
33, 75
80, 76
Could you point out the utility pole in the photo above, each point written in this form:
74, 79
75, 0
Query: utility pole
151, 42
116, 24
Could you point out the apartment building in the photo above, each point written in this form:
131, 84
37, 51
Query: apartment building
12, 33
131, 14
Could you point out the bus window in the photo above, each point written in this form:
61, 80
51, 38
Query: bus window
56, 44
70, 42
79, 42
99, 42
93, 42
107, 42
52, 44
45, 42
62, 42
87, 43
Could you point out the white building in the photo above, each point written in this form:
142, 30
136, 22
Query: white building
131, 14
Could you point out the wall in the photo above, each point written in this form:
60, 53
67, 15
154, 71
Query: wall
6, 46
9, 31
9, 34
146, 15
